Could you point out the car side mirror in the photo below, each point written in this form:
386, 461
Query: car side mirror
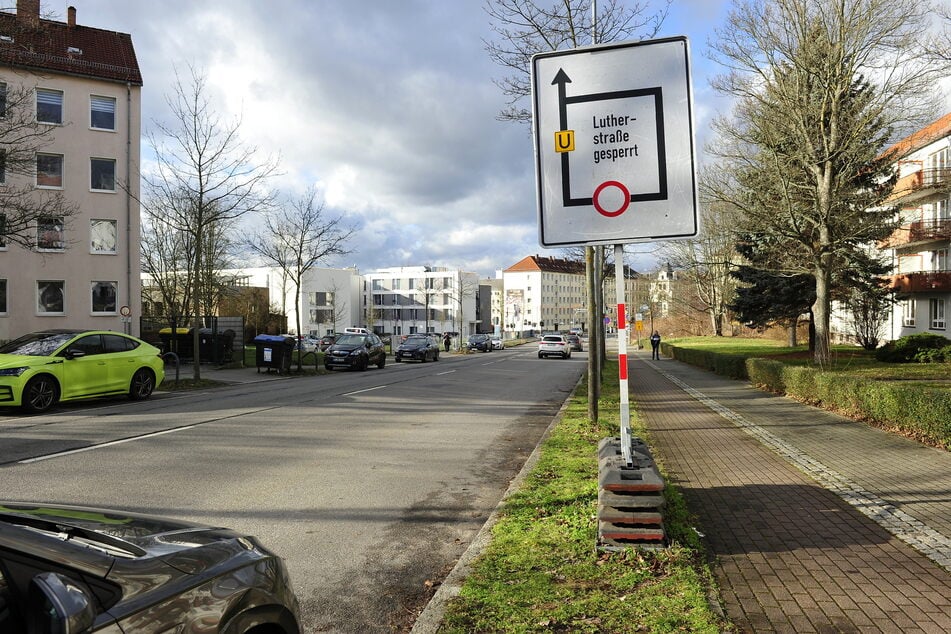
74, 354
58, 605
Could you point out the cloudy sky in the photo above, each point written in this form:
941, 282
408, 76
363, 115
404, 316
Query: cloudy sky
387, 106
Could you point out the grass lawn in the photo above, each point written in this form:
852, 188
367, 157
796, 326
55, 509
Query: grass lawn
844, 358
542, 572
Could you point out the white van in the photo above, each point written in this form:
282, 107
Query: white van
357, 331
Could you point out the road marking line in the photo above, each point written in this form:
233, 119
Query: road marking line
61, 454
369, 389
926, 540
446, 372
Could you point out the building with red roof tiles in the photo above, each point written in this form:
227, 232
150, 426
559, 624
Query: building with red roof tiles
920, 247
544, 293
80, 88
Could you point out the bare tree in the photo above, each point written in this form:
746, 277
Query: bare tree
820, 88
296, 238
22, 205
204, 175
526, 27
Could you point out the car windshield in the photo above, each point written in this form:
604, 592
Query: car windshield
352, 340
477, 338
553, 339
37, 344
416, 340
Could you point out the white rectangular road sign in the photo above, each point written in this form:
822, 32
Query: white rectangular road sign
614, 143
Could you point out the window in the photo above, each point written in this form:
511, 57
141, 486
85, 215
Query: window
117, 343
104, 297
3, 167
3, 99
908, 313
102, 112
102, 174
3, 296
937, 314
49, 106
3, 231
50, 296
102, 236
939, 260
49, 234
49, 170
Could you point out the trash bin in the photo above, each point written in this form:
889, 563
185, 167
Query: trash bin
180, 342
215, 346
272, 351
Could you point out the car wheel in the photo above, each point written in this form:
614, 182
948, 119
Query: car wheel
540, 355
382, 363
143, 382
40, 394
436, 356
363, 363
398, 359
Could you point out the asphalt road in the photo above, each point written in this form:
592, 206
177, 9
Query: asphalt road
369, 484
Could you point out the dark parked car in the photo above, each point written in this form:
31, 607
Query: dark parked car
356, 351
326, 341
418, 348
482, 343
575, 342
75, 569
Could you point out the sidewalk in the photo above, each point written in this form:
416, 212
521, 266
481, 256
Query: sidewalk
802, 509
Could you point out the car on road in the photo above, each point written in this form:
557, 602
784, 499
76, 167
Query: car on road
78, 569
417, 348
497, 343
356, 351
41, 369
554, 346
479, 342
575, 342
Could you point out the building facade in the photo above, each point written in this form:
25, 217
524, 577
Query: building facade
919, 249
417, 299
547, 293
82, 269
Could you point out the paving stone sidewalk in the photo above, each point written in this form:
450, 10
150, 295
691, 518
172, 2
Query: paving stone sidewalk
816, 523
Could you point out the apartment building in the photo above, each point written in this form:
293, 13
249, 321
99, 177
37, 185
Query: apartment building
548, 293
919, 249
411, 299
80, 270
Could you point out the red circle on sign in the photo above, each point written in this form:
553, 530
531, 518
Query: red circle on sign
602, 210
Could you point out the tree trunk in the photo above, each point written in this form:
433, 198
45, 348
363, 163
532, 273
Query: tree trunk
821, 311
792, 339
196, 330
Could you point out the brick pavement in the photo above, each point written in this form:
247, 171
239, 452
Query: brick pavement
795, 505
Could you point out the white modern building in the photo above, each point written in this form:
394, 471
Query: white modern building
330, 299
919, 249
414, 299
83, 86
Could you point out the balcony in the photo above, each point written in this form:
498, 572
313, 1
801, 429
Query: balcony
920, 231
923, 282
920, 184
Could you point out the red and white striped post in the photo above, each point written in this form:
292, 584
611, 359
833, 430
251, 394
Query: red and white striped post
620, 288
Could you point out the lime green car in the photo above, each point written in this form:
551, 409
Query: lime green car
40, 369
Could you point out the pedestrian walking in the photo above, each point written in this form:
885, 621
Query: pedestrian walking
655, 345
445, 341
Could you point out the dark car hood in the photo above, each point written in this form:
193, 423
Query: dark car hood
345, 347
138, 535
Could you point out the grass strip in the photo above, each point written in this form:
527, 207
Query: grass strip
541, 571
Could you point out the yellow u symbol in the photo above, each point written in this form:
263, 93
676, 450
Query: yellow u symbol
565, 141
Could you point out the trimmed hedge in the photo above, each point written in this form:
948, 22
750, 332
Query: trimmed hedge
921, 411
